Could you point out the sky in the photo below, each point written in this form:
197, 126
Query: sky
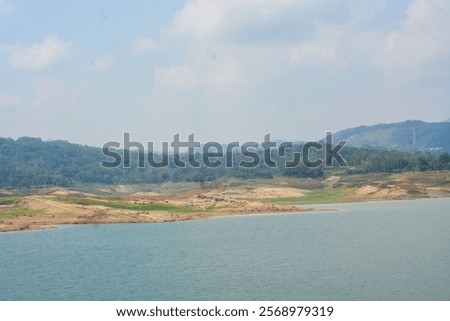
89, 71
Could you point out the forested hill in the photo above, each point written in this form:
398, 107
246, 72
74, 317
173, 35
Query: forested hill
31, 162
411, 135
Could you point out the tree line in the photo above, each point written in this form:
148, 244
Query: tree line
32, 162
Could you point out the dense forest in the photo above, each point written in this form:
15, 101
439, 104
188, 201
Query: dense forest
31, 162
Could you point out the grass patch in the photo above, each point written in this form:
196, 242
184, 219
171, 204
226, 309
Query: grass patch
325, 195
18, 210
146, 207
9, 200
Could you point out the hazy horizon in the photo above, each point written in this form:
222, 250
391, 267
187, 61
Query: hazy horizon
157, 146
232, 70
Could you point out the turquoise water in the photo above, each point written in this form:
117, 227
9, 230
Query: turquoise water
368, 251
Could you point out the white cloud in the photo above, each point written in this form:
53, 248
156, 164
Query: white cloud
325, 64
203, 19
6, 7
423, 36
313, 35
37, 56
291, 55
143, 44
200, 19
102, 62
180, 77
263, 38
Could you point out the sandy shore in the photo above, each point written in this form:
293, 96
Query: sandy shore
169, 202
78, 214
47, 211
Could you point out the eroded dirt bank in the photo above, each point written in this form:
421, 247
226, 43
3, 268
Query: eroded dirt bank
44, 208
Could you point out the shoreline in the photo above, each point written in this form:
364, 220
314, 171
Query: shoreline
46, 208
170, 218
17, 225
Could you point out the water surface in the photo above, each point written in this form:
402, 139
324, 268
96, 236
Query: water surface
364, 251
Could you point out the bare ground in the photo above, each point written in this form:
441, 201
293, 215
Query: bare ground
45, 209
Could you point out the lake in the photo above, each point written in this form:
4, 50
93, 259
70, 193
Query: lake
396, 250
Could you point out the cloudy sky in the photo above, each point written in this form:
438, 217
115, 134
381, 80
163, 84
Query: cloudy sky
88, 71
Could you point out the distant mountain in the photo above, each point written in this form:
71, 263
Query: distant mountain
411, 135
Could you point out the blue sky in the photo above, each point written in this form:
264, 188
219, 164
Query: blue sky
88, 71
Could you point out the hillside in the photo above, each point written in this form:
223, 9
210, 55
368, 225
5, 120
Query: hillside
31, 162
411, 136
